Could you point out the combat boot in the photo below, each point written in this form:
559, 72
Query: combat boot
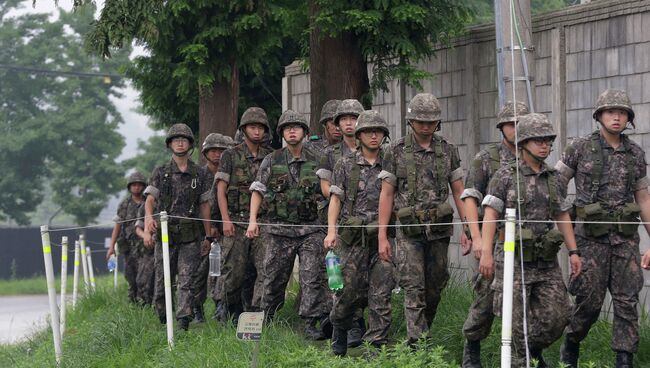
311, 331
355, 334
198, 314
624, 359
163, 319
537, 355
220, 313
326, 326
472, 354
184, 323
339, 341
569, 353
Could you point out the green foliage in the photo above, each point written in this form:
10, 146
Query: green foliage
483, 10
56, 128
151, 153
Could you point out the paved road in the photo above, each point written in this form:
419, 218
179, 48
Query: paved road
21, 315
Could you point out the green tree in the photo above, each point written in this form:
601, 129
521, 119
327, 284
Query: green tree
151, 153
483, 10
57, 128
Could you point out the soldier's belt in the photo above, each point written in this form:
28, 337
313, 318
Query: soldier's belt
183, 230
541, 248
609, 220
443, 213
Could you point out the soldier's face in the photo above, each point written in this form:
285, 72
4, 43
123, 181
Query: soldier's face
424, 128
293, 134
540, 147
371, 138
333, 130
347, 124
213, 155
254, 132
614, 120
136, 188
508, 130
180, 145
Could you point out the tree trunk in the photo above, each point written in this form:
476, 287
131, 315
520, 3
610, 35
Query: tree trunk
338, 69
218, 108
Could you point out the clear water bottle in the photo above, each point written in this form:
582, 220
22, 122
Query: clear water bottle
112, 263
215, 259
334, 274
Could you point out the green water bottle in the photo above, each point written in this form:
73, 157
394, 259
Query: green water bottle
334, 274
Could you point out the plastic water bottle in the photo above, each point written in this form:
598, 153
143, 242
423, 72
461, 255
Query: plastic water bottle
215, 259
334, 274
112, 263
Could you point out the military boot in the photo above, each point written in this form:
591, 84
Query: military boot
220, 313
472, 354
355, 334
537, 355
311, 331
198, 314
184, 323
569, 353
339, 341
326, 326
624, 359
163, 319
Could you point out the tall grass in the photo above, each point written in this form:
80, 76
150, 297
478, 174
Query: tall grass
38, 284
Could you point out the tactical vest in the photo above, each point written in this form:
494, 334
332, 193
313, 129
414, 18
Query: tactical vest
293, 201
495, 159
166, 191
239, 194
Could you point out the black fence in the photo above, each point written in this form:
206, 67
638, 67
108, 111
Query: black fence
21, 252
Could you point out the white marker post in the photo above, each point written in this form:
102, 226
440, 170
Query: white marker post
75, 278
84, 263
64, 280
91, 270
508, 275
168, 279
51, 291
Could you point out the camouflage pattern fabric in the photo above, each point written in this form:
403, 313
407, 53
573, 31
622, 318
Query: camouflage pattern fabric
200, 281
614, 99
347, 107
131, 265
479, 320
254, 115
328, 112
318, 146
424, 107
481, 171
179, 130
381, 282
332, 154
534, 126
127, 214
507, 112
146, 277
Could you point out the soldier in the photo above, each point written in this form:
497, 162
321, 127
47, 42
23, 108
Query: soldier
418, 170
182, 189
286, 183
609, 172
145, 280
368, 280
479, 320
124, 231
212, 148
331, 131
239, 166
547, 302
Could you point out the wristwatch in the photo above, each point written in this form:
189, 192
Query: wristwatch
574, 251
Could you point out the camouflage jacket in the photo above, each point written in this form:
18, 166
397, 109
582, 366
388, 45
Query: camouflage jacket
127, 214
483, 167
332, 154
318, 145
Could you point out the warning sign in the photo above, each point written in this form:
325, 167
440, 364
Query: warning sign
249, 326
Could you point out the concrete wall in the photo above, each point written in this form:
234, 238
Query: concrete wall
580, 51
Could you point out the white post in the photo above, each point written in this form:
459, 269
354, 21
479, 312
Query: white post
508, 274
168, 279
84, 263
91, 271
117, 267
75, 278
64, 280
51, 292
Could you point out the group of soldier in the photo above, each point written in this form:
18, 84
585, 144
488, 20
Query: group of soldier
384, 209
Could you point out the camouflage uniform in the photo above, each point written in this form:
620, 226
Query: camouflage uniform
547, 301
145, 279
317, 143
422, 259
129, 244
611, 261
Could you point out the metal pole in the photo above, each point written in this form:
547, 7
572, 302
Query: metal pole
84, 263
75, 278
51, 291
508, 275
91, 270
168, 279
64, 280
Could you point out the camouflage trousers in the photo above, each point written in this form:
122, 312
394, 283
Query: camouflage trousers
422, 273
131, 260
281, 252
547, 307
368, 281
613, 267
479, 320
145, 278
183, 260
200, 282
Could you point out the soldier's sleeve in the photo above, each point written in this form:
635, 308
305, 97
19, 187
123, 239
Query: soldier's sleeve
641, 174
225, 167
325, 166
497, 192
388, 172
456, 172
155, 181
263, 175
206, 179
567, 165
339, 179
121, 211
140, 221
476, 181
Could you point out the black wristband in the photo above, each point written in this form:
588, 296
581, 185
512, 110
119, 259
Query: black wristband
574, 251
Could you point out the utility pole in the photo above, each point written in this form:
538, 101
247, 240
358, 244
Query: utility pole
515, 51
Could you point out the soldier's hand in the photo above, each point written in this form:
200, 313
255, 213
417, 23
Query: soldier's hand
253, 230
385, 252
486, 266
110, 252
205, 247
150, 225
330, 241
465, 243
576, 265
148, 240
645, 261
477, 247
228, 229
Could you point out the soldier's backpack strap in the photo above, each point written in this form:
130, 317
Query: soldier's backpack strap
166, 190
597, 169
495, 158
337, 151
410, 168
353, 186
441, 177
521, 189
629, 163
194, 187
552, 193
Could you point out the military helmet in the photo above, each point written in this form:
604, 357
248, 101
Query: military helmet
329, 110
292, 117
614, 99
216, 140
348, 107
507, 112
136, 177
179, 130
254, 115
239, 137
424, 107
534, 126
371, 119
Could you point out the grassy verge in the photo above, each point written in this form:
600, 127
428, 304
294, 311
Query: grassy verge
106, 331
38, 284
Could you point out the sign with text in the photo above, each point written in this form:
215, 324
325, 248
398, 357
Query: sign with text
249, 326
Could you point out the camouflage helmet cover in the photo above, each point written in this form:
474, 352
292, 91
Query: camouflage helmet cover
136, 177
179, 130
329, 111
348, 107
254, 115
371, 119
534, 126
614, 99
292, 117
218, 141
507, 112
424, 107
